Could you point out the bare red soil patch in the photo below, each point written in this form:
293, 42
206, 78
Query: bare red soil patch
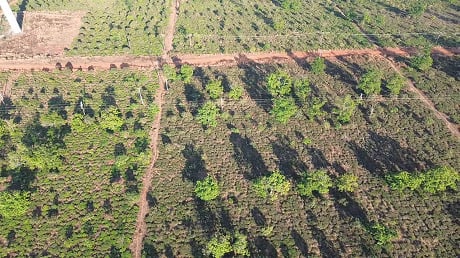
44, 33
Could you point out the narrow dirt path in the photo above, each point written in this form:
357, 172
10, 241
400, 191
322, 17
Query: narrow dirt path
169, 35
453, 127
141, 226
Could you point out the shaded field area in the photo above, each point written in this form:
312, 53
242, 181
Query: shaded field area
227, 26
386, 134
75, 145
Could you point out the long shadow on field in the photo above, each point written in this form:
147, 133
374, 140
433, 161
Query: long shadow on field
335, 70
390, 8
325, 246
149, 251
194, 96
197, 249
258, 217
263, 248
318, 159
454, 210
449, 65
223, 78
194, 169
300, 242
22, 179
247, 157
225, 219
382, 154
349, 207
254, 77
58, 104
444, 41
290, 163
202, 76
5, 107
206, 217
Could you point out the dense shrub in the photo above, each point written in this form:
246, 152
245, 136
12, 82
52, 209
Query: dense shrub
272, 186
207, 189
314, 181
208, 114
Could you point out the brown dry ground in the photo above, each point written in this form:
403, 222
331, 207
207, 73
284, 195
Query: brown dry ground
44, 34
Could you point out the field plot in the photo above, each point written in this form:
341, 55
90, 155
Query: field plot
441, 84
115, 27
73, 149
386, 134
406, 23
229, 26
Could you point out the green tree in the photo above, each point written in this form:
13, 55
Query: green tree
170, 72
371, 82
52, 119
318, 66
403, 180
13, 204
219, 246
315, 181
215, 89
417, 9
4, 132
439, 179
345, 110
207, 189
347, 182
422, 62
240, 244
292, 5
382, 234
111, 119
315, 109
236, 92
44, 158
186, 72
78, 123
395, 84
279, 84
283, 109
272, 186
208, 114
302, 89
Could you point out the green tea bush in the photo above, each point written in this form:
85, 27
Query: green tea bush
207, 189
314, 181
272, 186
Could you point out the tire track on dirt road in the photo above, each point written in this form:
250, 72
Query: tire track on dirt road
141, 226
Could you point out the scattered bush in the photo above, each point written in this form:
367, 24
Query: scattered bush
284, 109
371, 82
345, 109
382, 234
422, 62
347, 182
315, 109
215, 89
315, 181
272, 186
170, 73
279, 84
318, 66
236, 92
111, 119
207, 189
13, 204
186, 73
395, 84
302, 89
219, 246
208, 114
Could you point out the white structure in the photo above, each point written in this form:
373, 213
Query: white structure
15, 29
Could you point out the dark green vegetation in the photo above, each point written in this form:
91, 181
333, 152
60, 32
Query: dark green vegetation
249, 26
316, 184
73, 149
114, 27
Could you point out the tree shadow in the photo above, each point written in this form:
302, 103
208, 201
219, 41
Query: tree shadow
318, 159
300, 242
194, 169
382, 154
149, 251
202, 76
449, 65
197, 249
302, 62
263, 248
247, 157
348, 207
22, 179
254, 77
88, 110
290, 162
108, 98
453, 209
335, 70
226, 220
224, 79
194, 96
258, 217
206, 217
5, 107
326, 247
169, 252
